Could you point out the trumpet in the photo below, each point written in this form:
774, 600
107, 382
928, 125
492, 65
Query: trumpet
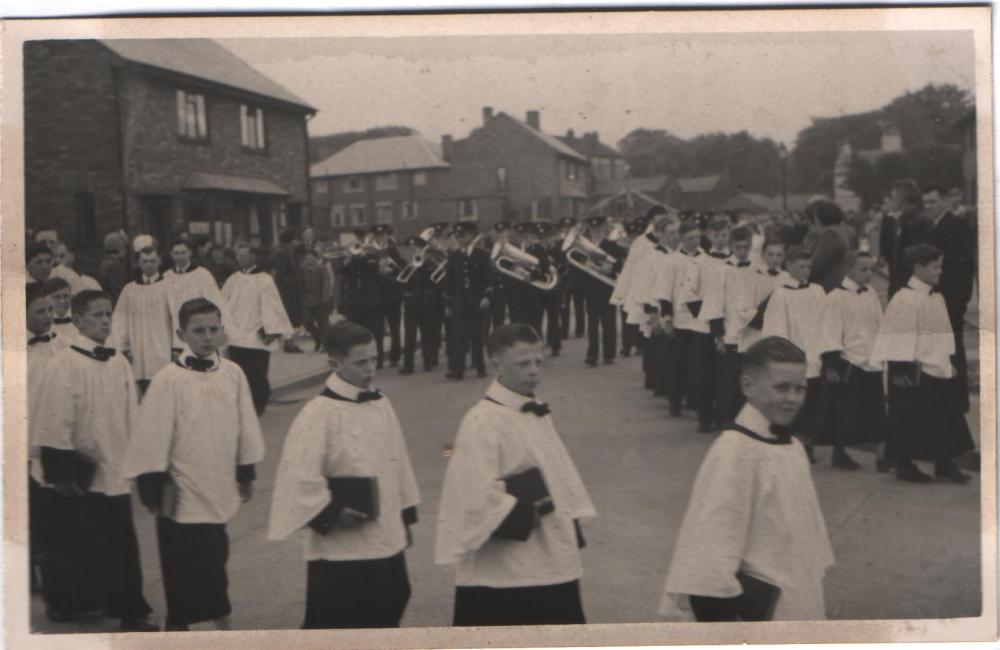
589, 257
520, 265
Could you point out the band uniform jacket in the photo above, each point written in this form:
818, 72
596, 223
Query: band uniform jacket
361, 285
389, 290
468, 280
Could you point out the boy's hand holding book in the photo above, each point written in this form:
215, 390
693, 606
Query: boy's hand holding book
533, 502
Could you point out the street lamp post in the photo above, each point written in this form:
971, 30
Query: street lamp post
783, 154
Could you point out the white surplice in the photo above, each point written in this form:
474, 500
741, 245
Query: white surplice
916, 328
254, 303
339, 438
701, 280
629, 278
40, 354
850, 322
142, 325
793, 313
753, 509
89, 406
763, 285
198, 426
194, 282
738, 308
496, 439
657, 280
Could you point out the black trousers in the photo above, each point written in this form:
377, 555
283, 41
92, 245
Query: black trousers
573, 297
534, 301
422, 314
255, 364
691, 375
498, 306
91, 555
956, 314
602, 324
390, 312
546, 605
466, 332
356, 594
193, 564
926, 422
728, 394
316, 319
517, 301
630, 333
553, 319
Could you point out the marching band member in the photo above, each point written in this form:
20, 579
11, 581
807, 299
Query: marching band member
518, 300
512, 501
602, 319
421, 312
534, 298
498, 302
467, 289
555, 262
361, 302
572, 282
390, 293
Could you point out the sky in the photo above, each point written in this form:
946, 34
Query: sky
770, 85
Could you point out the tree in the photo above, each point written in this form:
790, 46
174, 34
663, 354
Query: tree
930, 163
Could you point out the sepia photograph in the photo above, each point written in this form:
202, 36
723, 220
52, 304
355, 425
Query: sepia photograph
500, 329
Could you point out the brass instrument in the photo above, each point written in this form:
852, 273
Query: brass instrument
588, 256
512, 261
618, 234
429, 253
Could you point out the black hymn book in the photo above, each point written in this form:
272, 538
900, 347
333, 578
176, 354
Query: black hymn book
359, 493
530, 486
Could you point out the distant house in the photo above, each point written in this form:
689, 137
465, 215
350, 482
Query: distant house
703, 193
159, 136
510, 169
662, 189
606, 162
403, 181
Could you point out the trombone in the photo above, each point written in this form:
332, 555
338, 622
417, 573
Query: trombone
429, 253
512, 261
588, 256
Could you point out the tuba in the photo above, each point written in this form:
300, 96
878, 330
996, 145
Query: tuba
512, 261
588, 256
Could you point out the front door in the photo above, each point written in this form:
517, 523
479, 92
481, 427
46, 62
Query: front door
156, 212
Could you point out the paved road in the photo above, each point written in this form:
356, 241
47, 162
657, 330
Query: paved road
903, 551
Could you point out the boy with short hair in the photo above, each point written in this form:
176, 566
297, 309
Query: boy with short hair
61, 293
258, 321
916, 345
38, 259
512, 501
186, 280
345, 476
193, 460
141, 324
768, 276
852, 406
753, 544
793, 313
90, 401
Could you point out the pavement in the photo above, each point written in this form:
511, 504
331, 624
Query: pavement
902, 550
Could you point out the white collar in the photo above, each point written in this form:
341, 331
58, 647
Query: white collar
182, 270
471, 247
751, 418
917, 284
850, 284
150, 279
249, 270
505, 396
86, 343
343, 388
791, 283
215, 358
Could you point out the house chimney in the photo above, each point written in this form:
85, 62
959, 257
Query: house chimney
534, 120
591, 137
570, 135
487, 114
446, 147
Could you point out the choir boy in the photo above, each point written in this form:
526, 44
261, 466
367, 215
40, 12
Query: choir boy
193, 459
90, 400
60, 290
768, 276
653, 288
630, 276
852, 406
186, 280
512, 500
141, 326
753, 544
258, 321
630, 331
793, 313
737, 311
345, 480
39, 260
916, 345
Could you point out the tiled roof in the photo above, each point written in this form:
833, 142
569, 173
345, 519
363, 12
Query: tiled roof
205, 59
381, 155
699, 183
590, 147
229, 183
550, 140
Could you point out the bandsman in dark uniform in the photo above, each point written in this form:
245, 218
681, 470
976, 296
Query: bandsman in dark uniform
554, 299
498, 303
602, 316
516, 292
422, 311
390, 293
572, 284
534, 298
361, 290
467, 288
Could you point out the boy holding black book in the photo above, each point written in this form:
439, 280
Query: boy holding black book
193, 459
753, 544
345, 479
512, 501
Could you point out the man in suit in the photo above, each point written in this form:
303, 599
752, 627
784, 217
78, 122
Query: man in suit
533, 297
602, 316
830, 245
953, 235
467, 290
911, 227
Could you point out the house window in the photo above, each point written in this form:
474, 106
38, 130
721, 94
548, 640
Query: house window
86, 219
353, 184
420, 178
501, 178
321, 187
383, 213
386, 181
408, 211
192, 123
534, 210
358, 214
252, 128
468, 210
337, 217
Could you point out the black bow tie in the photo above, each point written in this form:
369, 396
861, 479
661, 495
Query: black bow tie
862, 289
368, 395
62, 321
800, 285
783, 431
197, 363
538, 408
100, 353
740, 265
773, 272
717, 255
41, 338
935, 289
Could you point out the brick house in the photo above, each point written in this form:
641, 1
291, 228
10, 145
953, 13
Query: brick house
511, 169
159, 136
607, 164
403, 181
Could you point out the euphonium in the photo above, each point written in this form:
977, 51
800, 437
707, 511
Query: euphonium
520, 265
588, 256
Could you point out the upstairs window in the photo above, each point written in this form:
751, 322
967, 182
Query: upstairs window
192, 123
468, 210
386, 181
408, 210
320, 187
252, 128
501, 178
353, 184
383, 213
420, 178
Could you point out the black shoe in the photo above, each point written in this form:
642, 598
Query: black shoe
318, 347
379, 365
591, 362
406, 370
555, 353
949, 472
626, 352
882, 464
139, 624
910, 473
842, 461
